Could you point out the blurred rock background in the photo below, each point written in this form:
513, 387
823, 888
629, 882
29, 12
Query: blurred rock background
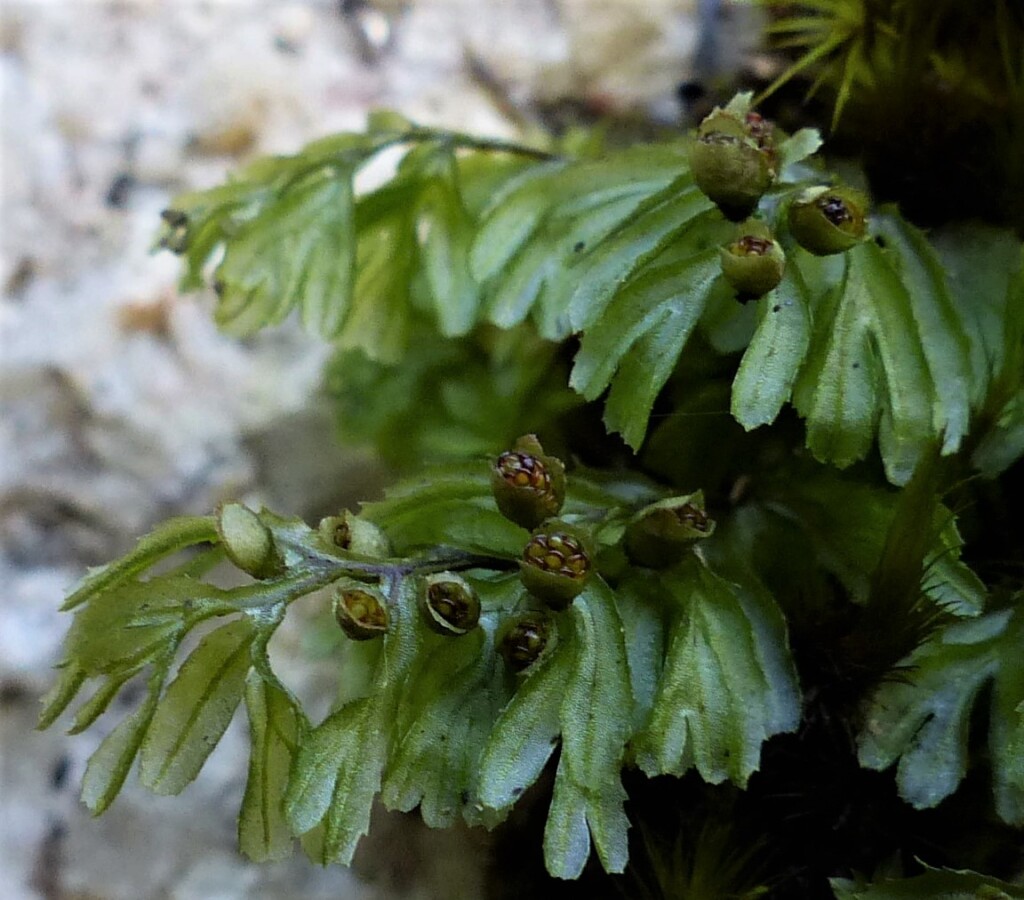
120, 404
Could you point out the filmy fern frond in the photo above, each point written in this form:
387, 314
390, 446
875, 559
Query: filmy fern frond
669, 669
619, 251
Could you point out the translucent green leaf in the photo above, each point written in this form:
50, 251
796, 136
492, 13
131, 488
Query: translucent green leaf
796, 148
445, 248
838, 388
514, 214
596, 717
111, 762
930, 736
850, 545
337, 771
97, 704
923, 720
298, 252
981, 264
335, 777
946, 884
566, 834
568, 192
1002, 445
643, 631
641, 170
648, 231
770, 364
197, 708
483, 178
199, 221
386, 258
396, 198
239, 189
128, 624
949, 582
125, 626
645, 364
526, 731
454, 694
275, 725
582, 205
867, 364
204, 237
676, 286
413, 245
541, 278
943, 337
69, 682
906, 342
451, 505
837, 391
166, 539
728, 684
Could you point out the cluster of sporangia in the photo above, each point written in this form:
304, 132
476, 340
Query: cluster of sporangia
555, 565
559, 558
734, 162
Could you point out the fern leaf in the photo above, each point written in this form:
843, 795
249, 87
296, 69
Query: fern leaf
922, 721
110, 763
768, 369
298, 252
275, 726
197, 708
724, 653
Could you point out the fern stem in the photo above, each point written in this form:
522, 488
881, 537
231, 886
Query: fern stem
443, 559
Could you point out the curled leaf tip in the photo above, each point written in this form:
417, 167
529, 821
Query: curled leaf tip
248, 542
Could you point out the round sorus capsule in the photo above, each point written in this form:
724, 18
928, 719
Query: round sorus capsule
523, 470
660, 534
528, 485
361, 611
449, 604
556, 563
733, 161
753, 263
525, 639
828, 220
